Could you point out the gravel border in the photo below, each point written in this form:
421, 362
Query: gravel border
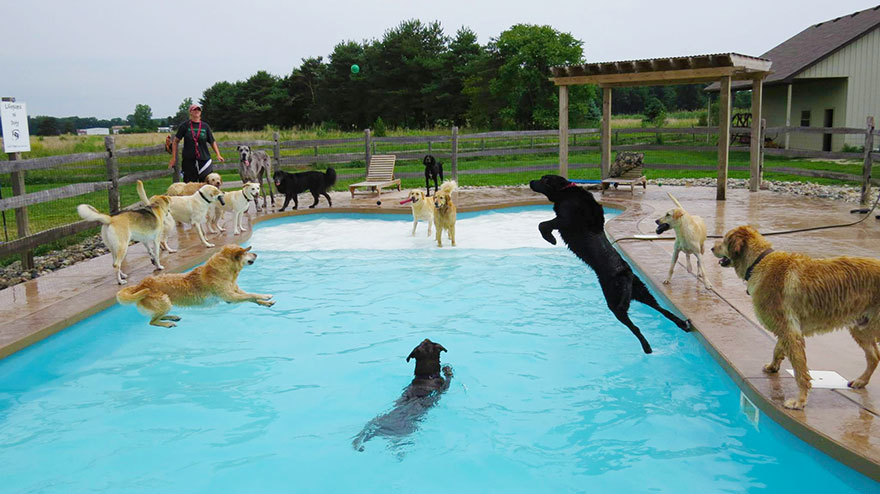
94, 247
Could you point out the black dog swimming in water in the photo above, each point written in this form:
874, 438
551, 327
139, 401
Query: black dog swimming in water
422, 393
433, 169
581, 222
291, 184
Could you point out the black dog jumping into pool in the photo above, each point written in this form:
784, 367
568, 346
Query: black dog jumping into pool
422, 393
581, 222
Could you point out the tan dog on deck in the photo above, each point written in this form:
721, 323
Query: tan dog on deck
155, 295
212, 219
144, 224
192, 209
795, 296
690, 235
444, 212
238, 202
422, 208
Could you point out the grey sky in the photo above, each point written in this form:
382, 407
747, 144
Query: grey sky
101, 58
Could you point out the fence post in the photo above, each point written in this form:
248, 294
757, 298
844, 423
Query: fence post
112, 174
455, 154
276, 150
429, 147
367, 150
866, 170
21, 214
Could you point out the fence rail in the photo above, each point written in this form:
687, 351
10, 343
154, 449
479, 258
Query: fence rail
115, 168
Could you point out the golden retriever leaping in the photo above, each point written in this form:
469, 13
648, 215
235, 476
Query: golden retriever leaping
155, 295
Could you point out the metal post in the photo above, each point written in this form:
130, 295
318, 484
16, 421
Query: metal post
112, 174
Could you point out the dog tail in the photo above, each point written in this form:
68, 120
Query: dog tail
142, 193
89, 213
131, 295
329, 178
677, 204
449, 186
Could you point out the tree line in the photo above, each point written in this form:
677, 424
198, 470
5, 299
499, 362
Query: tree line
416, 76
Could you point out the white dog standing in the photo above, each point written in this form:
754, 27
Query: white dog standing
422, 208
690, 235
192, 209
237, 202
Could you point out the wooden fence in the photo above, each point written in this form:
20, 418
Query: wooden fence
451, 147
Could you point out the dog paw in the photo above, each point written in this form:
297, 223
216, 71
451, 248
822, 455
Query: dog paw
266, 303
793, 404
121, 281
209, 245
236, 232
159, 267
666, 281
857, 384
771, 369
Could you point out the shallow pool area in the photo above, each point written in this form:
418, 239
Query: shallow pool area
550, 392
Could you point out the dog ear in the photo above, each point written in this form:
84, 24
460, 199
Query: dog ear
439, 347
736, 242
412, 354
249, 247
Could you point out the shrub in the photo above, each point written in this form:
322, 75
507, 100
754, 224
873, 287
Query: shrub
379, 129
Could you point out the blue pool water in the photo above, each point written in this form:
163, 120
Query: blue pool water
550, 394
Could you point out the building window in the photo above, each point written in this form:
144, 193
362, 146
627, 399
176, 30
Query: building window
805, 118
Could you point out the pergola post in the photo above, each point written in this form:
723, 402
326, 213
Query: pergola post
787, 113
563, 131
723, 138
757, 136
605, 161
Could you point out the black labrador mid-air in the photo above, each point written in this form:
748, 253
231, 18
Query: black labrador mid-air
580, 221
422, 393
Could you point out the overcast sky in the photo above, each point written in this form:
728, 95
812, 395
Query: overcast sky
101, 58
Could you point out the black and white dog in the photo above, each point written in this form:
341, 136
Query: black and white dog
580, 221
433, 169
422, 393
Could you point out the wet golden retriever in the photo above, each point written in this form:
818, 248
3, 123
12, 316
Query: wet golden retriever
690, 236
216, 279
422, 208
795, 296
444, 212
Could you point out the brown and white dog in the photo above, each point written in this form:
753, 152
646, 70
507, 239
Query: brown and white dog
422, 208
690, 235
155, 295
444, 212
143, 225
795, 296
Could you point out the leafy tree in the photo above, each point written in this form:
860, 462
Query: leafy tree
655, 112
344, 96
142, 117
451, 100
220, 106
182, 114
303, 88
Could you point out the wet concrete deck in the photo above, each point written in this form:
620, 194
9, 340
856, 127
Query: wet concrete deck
844, 423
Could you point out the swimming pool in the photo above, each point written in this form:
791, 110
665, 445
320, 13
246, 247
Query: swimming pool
550, 392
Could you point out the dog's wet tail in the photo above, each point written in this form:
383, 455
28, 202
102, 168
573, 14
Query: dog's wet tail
449, 186
131, 295
89, 213
329, 178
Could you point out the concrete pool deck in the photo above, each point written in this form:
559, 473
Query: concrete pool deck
844, 423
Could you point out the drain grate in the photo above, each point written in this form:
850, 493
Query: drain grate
825, 379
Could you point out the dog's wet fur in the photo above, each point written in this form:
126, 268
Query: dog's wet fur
423, 392
433, 170
291, 184
580, 221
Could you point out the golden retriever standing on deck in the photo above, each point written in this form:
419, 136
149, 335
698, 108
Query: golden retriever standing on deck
155, 295
690, 235
422, 208
444, 212
795, 296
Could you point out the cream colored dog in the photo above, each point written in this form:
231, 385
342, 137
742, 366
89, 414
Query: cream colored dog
795, 296
192, 209
155, 295
212, 222
143, 225
444, 212
237, 202
422, 208
690, 235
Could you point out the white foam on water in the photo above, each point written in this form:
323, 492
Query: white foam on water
489, 230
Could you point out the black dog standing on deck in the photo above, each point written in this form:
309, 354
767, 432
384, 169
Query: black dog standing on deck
292, 184
581, 222
433, 169
422, 393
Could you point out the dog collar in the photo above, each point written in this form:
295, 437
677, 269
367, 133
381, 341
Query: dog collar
759, 259
570, 184
435, 375
245, 195
203, 197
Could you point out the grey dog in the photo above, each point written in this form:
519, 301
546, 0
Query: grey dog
253, 165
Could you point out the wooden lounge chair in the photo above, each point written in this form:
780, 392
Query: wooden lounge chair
633, 175
380, 173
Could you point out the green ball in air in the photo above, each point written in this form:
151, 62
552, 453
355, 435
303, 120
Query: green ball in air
355, 69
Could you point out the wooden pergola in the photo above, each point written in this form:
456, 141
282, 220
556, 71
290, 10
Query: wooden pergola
724, 68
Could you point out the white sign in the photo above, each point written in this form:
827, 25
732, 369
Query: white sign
13, 117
